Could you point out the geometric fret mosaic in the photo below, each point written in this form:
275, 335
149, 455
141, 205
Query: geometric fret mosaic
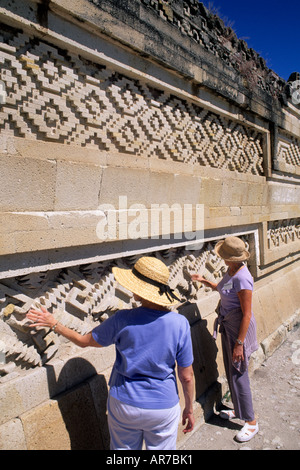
81, 297
282, 232
54, 95
288, 151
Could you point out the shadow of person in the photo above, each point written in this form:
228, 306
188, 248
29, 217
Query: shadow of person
215, 420
79, 396
208, 389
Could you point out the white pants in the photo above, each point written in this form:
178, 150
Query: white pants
130, 425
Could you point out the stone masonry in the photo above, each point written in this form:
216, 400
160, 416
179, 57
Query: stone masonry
113, 116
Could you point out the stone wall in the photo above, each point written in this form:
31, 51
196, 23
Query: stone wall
115, 115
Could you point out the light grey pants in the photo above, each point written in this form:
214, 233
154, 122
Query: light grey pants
129, 426
239, 385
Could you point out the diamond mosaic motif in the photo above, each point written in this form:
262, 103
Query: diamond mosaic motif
55, 96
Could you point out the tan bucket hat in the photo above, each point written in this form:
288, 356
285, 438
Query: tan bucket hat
148, 279
232, 249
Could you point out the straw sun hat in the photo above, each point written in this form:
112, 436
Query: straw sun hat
232, 249
148, 279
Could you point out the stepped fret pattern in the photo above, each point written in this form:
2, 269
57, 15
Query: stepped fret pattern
53, 95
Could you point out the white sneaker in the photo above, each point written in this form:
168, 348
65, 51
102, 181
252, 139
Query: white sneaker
227, 414
247, 432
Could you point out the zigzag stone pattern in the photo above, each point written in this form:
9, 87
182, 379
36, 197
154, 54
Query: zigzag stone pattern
288, 152
53, 95
282, 232
83, 296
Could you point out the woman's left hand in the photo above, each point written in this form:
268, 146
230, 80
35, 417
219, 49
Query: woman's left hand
238, 353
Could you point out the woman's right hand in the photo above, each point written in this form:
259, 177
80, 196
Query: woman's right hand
197, 277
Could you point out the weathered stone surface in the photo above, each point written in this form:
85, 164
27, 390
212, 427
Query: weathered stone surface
68, 423
12, 436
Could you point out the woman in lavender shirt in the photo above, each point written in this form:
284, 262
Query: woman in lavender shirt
238, 328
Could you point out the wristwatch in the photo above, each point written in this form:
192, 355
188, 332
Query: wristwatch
53, 327
239, 342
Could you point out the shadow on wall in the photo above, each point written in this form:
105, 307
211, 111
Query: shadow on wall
208, 389
78, 420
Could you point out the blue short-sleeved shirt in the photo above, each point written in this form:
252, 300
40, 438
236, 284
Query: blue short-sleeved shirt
229, 287
148, 344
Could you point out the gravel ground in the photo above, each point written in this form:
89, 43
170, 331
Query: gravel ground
275, 387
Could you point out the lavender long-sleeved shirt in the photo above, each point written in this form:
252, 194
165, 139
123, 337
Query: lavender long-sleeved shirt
229, 287
230, 313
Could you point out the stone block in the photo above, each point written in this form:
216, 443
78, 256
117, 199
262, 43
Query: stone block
56, 376
174, 167
260, 317
144, 187
186, 189
23, 393
219, 212
269, 312
20, 221
132, 183
281, 301
255, 194
27, 184
67, 423
93, 121
12, 436
161, 188
205, 354
100, 358
274, 340
293, 321
234, 193
292, 287
99, 389
207, 304
7, 244
256, 359
211, 191
86, 364
53, 239
282, 194
77, 186
46, 230
58, 152
67, 372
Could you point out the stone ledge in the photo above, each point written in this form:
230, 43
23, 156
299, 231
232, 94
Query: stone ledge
29, 390
275, 339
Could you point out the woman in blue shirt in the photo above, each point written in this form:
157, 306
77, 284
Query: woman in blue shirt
143, 403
